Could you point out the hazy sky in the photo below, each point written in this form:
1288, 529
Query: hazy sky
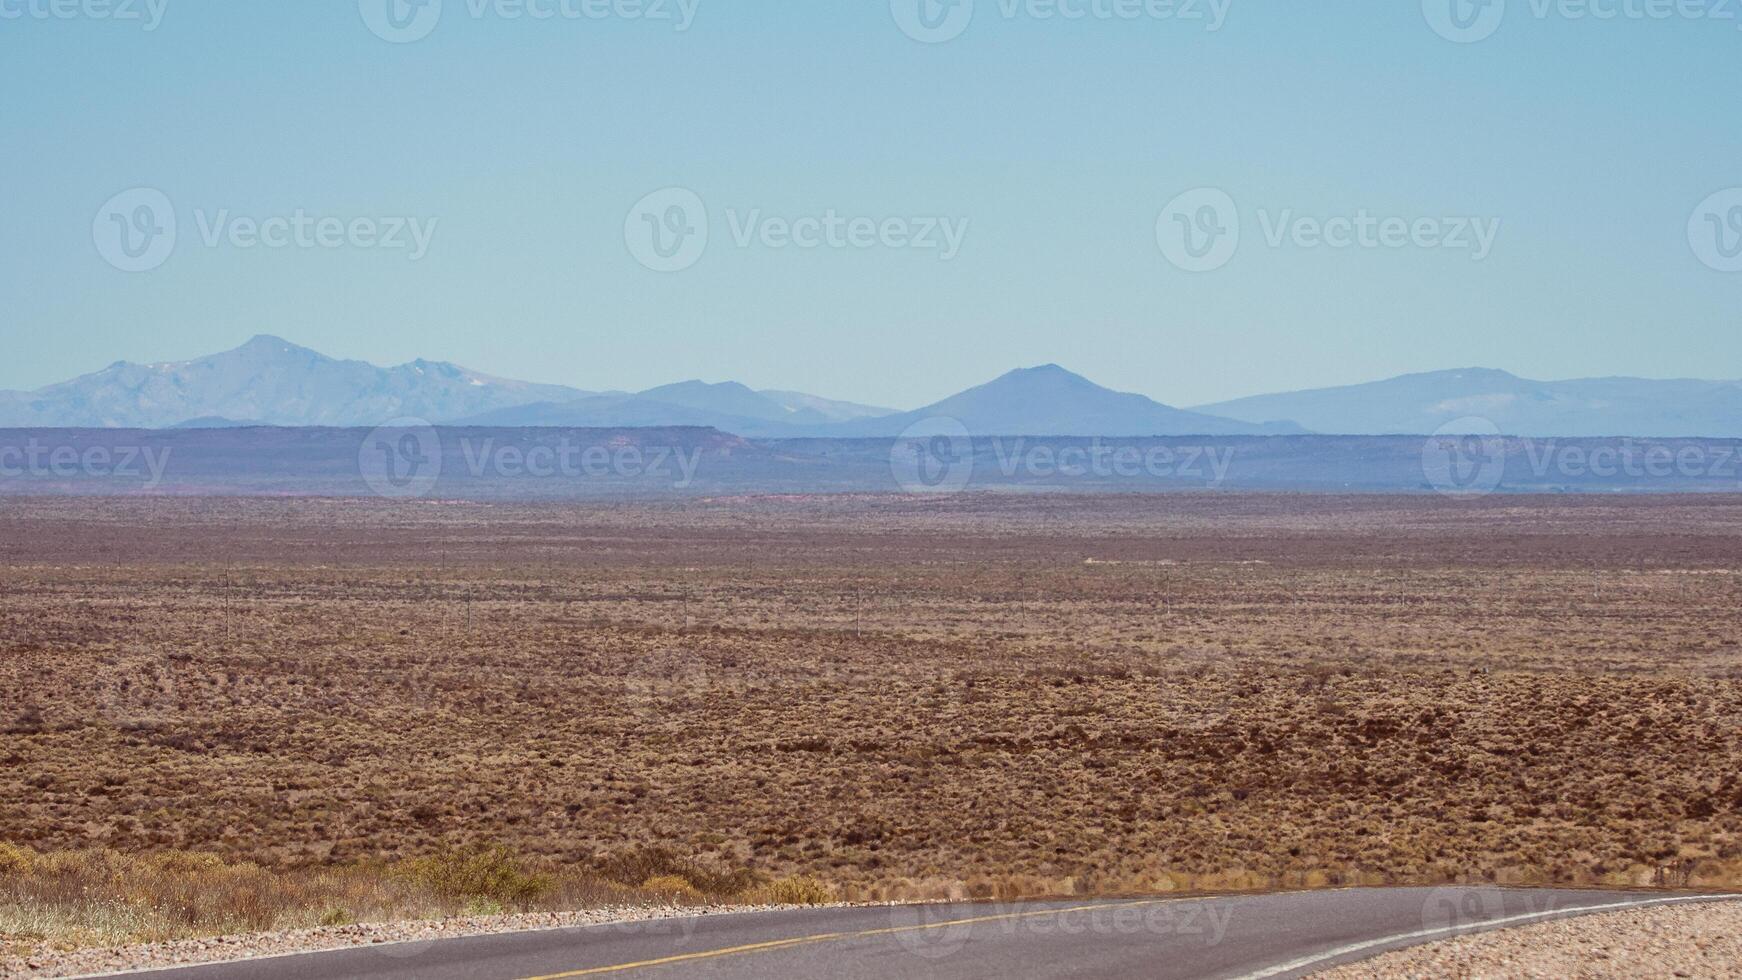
1049, 146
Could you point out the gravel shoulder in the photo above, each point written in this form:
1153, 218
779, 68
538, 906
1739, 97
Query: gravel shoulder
1697, 939
187, 952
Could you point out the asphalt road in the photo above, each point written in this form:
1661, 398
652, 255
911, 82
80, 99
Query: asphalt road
1253, 936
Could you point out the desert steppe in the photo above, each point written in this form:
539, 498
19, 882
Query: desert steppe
887, 696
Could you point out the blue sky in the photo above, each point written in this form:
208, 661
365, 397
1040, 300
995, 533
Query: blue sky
1052, 145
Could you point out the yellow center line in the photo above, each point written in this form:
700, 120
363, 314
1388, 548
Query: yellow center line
829, 936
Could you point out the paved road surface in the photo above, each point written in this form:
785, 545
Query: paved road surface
1252, 936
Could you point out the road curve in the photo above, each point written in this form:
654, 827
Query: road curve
1246, 936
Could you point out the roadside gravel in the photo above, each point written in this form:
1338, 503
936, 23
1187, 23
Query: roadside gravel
45, 963
1695, 939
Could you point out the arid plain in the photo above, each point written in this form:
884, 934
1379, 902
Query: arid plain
898, 697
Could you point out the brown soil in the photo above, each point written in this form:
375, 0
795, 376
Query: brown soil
904, 697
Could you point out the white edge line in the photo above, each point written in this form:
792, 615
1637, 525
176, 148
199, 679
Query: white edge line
1267, 972
1472, 927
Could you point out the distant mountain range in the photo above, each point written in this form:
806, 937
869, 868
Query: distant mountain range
270, 381
728, 406
1051, 401
1036, 401
267, 381
1475, 397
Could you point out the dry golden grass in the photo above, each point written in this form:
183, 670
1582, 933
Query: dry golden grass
897, 698
73, 899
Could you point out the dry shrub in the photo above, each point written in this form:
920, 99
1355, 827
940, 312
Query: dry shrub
486, 872
15, 860
72, 899
795, 890
671, 886
645, 864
